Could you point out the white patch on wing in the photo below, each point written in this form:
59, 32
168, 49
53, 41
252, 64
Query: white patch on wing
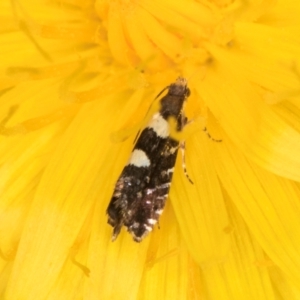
139, 158
159, 125
164, 185
148, 227
152, 221
170, 171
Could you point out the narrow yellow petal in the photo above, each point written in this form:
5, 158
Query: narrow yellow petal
200, 207
141, 42
116, 38
242, 273
266, 208
168, 265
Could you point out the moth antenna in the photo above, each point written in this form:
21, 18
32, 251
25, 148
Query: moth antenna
210, 137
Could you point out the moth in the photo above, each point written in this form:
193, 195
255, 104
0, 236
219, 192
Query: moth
141, 191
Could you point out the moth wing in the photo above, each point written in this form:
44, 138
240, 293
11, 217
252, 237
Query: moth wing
143, 215
144, 212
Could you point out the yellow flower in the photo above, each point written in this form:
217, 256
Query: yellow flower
77, 79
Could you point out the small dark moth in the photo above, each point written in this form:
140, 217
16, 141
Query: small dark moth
142, 189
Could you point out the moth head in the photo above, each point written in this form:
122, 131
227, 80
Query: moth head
180, 88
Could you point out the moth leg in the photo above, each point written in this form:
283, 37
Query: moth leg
187, 122
210, 137
182, 147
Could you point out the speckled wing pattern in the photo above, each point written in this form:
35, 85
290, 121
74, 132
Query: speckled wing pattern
142, 189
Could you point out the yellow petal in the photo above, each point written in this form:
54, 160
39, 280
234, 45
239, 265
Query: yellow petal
270, 210
200, 207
